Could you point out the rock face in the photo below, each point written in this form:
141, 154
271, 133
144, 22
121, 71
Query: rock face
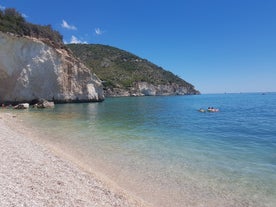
147, 89
30, 69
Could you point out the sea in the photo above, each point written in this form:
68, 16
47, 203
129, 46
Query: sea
164, 151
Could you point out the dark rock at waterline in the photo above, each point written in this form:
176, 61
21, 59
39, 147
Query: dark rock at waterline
42, 103
22, 106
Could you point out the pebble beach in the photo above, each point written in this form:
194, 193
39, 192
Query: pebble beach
33, 175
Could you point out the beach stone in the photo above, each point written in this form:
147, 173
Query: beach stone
22, 106
42, 103
31, 174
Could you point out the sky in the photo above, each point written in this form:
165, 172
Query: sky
217, 45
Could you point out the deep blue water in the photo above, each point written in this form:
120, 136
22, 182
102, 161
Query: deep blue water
165, 151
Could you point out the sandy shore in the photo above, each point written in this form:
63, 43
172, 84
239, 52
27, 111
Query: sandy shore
33, 175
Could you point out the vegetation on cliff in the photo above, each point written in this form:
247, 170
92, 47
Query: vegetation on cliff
13, 22
118, 68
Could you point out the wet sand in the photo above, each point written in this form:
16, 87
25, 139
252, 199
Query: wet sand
31, 174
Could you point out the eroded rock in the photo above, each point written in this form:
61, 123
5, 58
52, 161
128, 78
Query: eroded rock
31, 69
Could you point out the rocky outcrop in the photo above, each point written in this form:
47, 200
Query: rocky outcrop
31, 69
42, 104
147, 89
125, 74
22, 106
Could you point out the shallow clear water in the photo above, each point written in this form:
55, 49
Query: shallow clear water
166, 152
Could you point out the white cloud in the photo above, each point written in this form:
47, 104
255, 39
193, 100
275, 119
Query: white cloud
68, 26
24, 15
2, 7
75, 40
98, 31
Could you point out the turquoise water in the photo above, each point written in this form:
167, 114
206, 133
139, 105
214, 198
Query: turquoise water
166, 152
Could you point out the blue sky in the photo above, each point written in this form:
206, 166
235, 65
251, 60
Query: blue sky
217, 45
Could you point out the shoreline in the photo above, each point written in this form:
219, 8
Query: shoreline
127, 173
34, 174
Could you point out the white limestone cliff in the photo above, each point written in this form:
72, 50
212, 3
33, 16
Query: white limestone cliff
30, 69
148, 89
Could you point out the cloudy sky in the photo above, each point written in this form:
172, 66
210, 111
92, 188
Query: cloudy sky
217, 45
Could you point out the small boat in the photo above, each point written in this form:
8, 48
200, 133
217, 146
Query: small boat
202, 110
211, 109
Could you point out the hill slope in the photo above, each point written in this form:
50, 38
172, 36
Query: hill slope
11, 21
125, 74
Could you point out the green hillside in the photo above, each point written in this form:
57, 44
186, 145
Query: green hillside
11, 21
120, 69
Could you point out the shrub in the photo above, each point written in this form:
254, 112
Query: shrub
12, 21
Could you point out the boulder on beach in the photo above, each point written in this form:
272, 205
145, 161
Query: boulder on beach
42, 103
22, 106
